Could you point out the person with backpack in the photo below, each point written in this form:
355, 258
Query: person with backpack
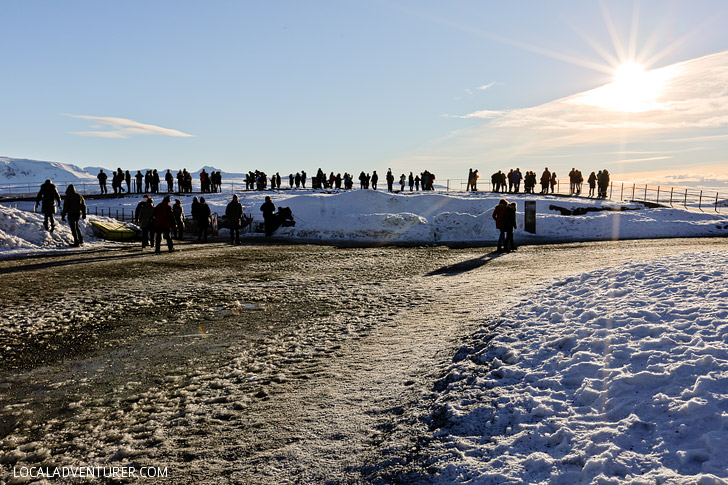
144, 218
47, 198
75, 208
234, 214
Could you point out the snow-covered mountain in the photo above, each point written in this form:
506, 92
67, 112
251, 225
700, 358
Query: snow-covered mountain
22, 171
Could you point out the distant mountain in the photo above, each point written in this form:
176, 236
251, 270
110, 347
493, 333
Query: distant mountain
22, 171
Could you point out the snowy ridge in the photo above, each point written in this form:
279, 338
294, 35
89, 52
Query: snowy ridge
16, 170
618, 377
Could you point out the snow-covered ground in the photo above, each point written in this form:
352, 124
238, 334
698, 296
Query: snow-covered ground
613, 376
375, 217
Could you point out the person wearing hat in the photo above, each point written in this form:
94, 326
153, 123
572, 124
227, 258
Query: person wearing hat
144, 218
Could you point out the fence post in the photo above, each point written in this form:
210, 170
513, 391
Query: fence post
448, 186
611, 189
716, 202
671, 189
633, 188
685, 203
645, 199
658, 194
700, 201
621, 193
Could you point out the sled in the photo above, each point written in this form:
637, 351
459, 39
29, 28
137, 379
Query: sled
114, 231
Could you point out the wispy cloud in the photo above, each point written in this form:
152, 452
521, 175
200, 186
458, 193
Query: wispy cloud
124, 128
636, 160
486, 86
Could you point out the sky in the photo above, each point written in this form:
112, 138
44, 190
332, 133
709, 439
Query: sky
368, 85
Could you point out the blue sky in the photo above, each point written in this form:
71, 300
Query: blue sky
358, 85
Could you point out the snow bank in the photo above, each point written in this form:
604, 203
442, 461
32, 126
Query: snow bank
377, 217
616, 376
22, 232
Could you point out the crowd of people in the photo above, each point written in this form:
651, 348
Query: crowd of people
151, 180
511, 182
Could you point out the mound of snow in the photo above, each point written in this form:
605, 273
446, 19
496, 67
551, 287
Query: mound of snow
616, 376
22, 232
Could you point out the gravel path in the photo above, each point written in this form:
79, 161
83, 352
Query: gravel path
256, 363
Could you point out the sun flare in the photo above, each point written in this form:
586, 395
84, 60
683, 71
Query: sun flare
633, 90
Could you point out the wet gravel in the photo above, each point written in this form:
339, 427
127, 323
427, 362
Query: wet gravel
260, 363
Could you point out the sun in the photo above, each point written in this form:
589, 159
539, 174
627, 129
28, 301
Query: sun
629, 73
633, 90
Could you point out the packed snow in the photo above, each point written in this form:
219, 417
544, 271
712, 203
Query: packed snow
613, 376
377, 217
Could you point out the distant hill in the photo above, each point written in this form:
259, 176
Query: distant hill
22, 171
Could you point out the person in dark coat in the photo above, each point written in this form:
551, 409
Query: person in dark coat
390, 180
498, 216
127, 178
509, 224
163, 224
169, 178
179, 218
102, 181
144, 218
268, 209
75, 208
234, 214
48, 197
139, 179
201, 213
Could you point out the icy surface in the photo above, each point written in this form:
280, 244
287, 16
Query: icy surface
615, 376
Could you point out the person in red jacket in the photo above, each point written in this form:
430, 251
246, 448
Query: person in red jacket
498, 214
163, 223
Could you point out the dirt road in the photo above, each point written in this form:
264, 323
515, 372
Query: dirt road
251, 364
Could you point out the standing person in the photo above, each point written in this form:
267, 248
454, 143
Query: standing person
470, 179
374, 180
545, 180
411, 181
139, 178
163, 224
553, 181
592, 183
498, 216
417, 183
169, 178
517, 177
127, 177
390, 180
290, 180
474, 184
155, 181
201, 213
234, 213
402, 182
303, 179
48, 197
268, 209
102, 181
75, 208
510, 181
144, 218
179, 218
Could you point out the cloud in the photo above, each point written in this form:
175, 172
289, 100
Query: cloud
124, 128
486, 86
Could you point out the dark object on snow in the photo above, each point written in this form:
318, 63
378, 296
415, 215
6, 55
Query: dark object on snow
580, 211
282, 218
